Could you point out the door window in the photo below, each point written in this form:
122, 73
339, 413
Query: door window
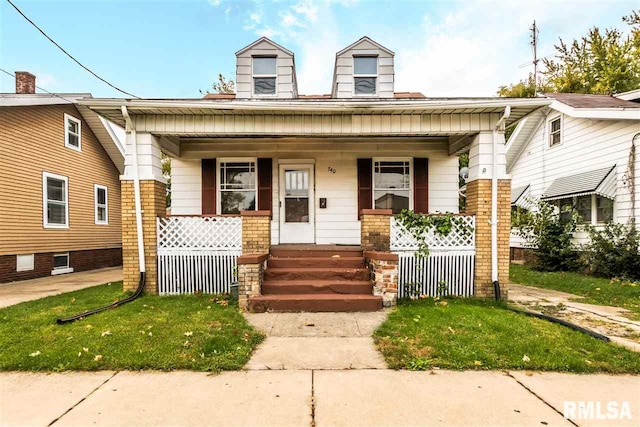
296, 195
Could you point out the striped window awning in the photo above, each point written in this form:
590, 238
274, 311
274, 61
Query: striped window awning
518, 195
600, 181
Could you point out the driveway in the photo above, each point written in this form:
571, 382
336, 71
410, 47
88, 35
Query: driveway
375, 397
28, 290
609, 321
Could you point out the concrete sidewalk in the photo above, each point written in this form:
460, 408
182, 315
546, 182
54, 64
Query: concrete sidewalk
28, 290
308, 398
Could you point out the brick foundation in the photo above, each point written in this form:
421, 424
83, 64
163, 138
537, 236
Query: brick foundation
43, 263
153, 199
375, 229
256, 232
479, 204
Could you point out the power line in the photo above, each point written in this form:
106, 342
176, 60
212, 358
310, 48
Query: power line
44, 90
67, 53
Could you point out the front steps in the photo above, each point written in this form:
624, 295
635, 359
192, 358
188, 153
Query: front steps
316, 279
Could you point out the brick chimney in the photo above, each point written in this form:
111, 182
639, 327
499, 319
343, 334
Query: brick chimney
25, 82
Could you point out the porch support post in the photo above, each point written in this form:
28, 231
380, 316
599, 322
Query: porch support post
250, 276
479, 204
256, 232
375, 229
384, 270
153, 201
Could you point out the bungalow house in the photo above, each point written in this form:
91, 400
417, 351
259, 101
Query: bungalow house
60, 202
299, 191
579, 151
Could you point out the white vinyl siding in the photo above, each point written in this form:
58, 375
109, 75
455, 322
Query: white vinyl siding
587, 144
335, 179
101, 202
344, 85
72, 133
285, 72
55, 200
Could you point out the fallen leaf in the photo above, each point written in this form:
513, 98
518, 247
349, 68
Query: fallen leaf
526, 358
309, 324
451, 330
188, 334
105, 333
79, 353
85, 349
477, 363
35, 353
150, 334
98, 358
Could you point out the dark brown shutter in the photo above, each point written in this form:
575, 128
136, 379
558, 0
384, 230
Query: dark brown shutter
421, 185
365, 188
265, 176
209, 190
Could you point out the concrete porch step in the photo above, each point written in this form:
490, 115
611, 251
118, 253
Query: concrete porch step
337, 287
286, 274
314, 251
314, 303
316, 262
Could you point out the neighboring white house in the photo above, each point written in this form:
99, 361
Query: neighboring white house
578, 151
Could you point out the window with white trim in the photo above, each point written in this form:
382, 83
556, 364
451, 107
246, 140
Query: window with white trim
55, 191
72, 133
392, 185
604, 209
592, 209
238, 186
61, 262
365, 75
555, 131
101, 202
264, 70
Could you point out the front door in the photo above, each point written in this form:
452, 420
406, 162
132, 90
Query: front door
297, 213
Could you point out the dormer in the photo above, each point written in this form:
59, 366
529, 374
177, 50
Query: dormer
265, 70
363, 70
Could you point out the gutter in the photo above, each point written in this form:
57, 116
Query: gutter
138, 208
494, 203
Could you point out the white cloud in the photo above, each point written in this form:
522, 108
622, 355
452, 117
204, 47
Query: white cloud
215, 3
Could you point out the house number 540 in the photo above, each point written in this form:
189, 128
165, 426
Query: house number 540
330, 169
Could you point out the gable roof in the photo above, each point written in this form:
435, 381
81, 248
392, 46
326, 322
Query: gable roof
368, 39
267, 40
580, 100
110, 135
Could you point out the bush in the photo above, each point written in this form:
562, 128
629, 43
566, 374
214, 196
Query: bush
613, 251
549, 236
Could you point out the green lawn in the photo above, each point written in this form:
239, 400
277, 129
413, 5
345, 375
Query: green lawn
479, 334
198, 332
595, 290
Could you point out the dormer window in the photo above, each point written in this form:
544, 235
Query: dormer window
264, 75
365, 75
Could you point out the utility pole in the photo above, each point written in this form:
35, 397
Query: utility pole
534, 45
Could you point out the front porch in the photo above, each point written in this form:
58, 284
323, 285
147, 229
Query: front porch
248, 176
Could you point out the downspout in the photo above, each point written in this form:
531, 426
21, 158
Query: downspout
494, 204
138, 209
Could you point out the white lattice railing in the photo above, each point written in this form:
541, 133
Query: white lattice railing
459, 239
193, 232
198, 254
449, 268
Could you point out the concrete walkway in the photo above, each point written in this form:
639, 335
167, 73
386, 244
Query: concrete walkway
317, 341
609, 321
28, 290
309, 398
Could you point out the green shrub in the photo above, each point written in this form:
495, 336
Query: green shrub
548, 234
613, 251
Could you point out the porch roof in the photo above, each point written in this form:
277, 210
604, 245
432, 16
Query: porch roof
111, 107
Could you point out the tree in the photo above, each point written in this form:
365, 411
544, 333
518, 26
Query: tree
600, 63
223, 85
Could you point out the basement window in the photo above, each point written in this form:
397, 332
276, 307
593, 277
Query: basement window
264, 75
72, 133
365, 75
25, 262
61, 264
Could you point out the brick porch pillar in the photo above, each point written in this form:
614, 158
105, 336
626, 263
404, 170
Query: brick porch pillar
479, 204
250, 277
153, 203
375, 229
256, 232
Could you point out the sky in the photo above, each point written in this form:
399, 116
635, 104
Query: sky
174, 48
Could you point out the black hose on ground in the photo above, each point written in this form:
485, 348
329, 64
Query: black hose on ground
562, 322
136, 294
